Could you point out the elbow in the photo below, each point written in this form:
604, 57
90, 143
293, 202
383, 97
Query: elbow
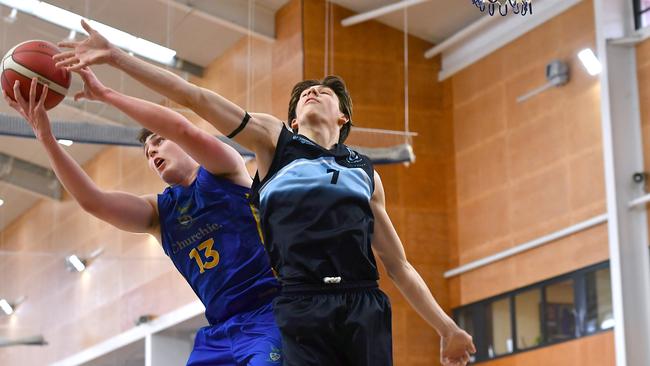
397, 270
189, 95
89, 206
92, 205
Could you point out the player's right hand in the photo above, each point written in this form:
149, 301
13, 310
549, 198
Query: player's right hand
93, 88
34, 112
456, 347
93, 50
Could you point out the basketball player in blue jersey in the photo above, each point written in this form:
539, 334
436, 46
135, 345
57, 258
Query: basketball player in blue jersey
203, 220
323, 213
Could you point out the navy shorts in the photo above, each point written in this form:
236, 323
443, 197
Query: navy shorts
246, 339
335, 328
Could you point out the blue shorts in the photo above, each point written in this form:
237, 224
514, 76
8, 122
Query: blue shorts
247, 339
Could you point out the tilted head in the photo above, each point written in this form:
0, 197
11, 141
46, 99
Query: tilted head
166, 158
321, 101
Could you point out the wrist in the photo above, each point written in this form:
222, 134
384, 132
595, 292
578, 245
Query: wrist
114, 54
447, 328
46, 138
104, 95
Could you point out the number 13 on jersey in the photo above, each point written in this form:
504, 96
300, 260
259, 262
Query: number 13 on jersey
211, 255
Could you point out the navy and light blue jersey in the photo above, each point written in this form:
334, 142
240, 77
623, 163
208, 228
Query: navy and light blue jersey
315, 211
210, 232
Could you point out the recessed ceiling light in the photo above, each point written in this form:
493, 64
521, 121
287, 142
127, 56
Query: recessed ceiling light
72, 21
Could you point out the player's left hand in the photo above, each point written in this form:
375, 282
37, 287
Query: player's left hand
456, 347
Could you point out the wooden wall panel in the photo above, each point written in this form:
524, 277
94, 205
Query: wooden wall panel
527, 169
595, 350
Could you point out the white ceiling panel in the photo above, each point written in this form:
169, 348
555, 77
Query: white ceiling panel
433, 21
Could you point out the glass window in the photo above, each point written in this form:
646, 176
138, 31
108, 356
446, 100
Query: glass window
644, 8
499, 329
559, 311
529, 327
465, 320
599, 313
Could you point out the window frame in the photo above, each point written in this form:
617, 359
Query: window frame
478, 310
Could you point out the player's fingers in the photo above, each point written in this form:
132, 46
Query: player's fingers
87, 26
32, 94
41, 101
19, 96
84, 73
67, 44
13, 104
67, 62
472, 348
63, 55
77, 67
79, 95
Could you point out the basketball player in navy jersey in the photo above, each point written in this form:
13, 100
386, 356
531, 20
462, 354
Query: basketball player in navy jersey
203, 220
323, 213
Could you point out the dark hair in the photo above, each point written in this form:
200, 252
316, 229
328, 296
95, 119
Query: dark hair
143, 135
338, 86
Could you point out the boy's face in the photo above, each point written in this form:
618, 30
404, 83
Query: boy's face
165, 158
318, 102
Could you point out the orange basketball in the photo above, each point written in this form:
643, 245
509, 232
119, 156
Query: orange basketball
34, 59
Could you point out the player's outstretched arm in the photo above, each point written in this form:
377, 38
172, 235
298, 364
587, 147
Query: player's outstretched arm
123, 210
456, 344
217, 110
217, 157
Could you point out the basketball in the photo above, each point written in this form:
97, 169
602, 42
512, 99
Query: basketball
34, 59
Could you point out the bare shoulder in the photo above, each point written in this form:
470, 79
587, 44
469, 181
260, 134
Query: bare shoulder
378, 194
271, 127
154, 226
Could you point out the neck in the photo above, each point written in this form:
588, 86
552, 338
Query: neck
323, 136
190, 176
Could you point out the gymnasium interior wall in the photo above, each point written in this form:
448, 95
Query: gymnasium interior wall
524, 170
490, 174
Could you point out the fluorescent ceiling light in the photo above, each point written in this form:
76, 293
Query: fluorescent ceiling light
12, 16
72, 21
4, 305
65, 142
75, 263
590, 61
2, 202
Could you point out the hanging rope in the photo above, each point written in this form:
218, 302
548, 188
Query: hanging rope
407, 135
326, 48
331, 36
249, 67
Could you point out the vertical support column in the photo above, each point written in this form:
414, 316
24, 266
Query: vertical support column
167, 350
623, 156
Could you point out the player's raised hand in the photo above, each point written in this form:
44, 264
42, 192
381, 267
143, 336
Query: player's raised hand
93, 88
92, 51
455, 348
34, 112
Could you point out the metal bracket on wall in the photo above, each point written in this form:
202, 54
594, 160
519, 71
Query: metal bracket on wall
557, 74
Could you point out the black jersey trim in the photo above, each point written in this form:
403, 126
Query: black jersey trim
241, 126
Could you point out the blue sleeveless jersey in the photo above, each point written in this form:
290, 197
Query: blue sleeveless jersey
211, 233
